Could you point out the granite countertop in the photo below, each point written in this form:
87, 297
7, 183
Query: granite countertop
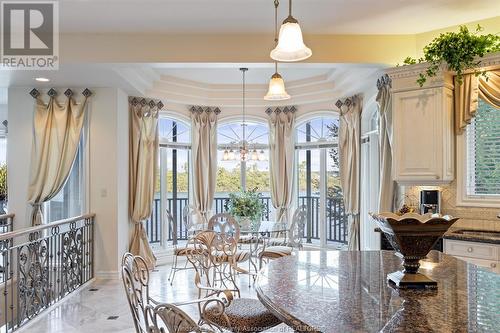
343, 291
473, 235
470, 235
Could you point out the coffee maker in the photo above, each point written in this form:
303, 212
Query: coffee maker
430, 201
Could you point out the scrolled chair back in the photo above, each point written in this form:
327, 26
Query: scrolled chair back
226, 227
172, 318
135, 276
192, 220
208, 252
170, 220
296, 233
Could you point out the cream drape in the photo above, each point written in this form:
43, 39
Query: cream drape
467, 93
143, 156
349, 151
56, 134
387, 190
281, 159
204, 157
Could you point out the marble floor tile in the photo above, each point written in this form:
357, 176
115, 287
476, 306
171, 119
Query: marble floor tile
87, 311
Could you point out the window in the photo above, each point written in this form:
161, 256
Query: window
479, 170
235, 175
172, 183
70, 201
318, 181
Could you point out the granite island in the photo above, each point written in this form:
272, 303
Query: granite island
342, 291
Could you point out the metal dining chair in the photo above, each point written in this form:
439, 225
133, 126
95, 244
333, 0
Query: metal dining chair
294, 240
190, 219
213, 274
151, 316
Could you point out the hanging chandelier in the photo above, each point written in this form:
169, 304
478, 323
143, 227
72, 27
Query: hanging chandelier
291, 45
277, 91
245, 152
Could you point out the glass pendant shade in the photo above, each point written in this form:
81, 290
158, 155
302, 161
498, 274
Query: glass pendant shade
291, 45
255, 156
231, 155
276, 90
226, 155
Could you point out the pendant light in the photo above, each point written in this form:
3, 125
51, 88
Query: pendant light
276, 90
291, 45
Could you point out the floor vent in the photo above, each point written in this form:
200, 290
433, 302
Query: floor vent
113, 317
93, 289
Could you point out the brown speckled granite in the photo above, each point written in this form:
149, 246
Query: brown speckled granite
478, 237
341, 291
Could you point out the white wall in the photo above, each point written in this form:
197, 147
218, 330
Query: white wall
107, 169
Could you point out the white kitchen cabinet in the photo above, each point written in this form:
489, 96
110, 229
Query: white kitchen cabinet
423, 138
480, 254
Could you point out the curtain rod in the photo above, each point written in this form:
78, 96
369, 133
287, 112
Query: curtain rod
53, 93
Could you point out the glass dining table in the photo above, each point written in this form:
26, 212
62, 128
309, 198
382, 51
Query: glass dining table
256, 238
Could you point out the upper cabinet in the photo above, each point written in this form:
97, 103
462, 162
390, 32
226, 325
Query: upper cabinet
423, 137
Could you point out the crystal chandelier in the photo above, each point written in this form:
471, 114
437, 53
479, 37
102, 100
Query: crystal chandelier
245, 152
291, 45
276, 90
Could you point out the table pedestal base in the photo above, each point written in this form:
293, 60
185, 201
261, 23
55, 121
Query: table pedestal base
411, 281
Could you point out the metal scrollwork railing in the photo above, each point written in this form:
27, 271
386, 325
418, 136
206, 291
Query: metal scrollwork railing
41, 265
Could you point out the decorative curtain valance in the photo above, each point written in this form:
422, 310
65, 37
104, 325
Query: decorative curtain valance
467, 93
281, 158
387, 190
349, 164
204, 157
57, 130
143, 154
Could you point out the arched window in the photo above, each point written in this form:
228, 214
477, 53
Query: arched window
318, 182
235, 174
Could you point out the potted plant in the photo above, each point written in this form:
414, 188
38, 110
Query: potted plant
3, 187
246, 207
457, 50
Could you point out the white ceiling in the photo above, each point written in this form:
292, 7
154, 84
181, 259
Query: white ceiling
256, 16
230, 73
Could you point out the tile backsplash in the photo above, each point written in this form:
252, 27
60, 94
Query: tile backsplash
470, 217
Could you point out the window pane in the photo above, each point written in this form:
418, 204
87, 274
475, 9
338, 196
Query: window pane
483, 151
69, 202
318, 129
174, 131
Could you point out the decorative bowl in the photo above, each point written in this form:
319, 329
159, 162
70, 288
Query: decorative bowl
412, 236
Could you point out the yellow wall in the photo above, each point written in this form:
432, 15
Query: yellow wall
491, 26
246, 48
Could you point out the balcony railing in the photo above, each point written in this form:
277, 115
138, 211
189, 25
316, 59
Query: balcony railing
336, 219
41, 265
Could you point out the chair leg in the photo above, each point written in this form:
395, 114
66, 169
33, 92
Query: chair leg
173, 270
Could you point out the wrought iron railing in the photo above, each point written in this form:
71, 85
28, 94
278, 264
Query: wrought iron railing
41, 265
336, 219
6, 223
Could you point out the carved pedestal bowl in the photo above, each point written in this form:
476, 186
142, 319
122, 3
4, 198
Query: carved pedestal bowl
412, 236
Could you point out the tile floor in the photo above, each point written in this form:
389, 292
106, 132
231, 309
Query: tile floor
101, 306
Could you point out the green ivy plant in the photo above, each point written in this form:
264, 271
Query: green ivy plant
459, 50
245, 204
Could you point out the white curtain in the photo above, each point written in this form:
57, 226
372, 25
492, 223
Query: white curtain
204, 157
57, 130
281, 159
143, 165
387, 190
349, 151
